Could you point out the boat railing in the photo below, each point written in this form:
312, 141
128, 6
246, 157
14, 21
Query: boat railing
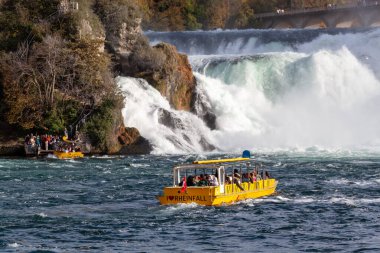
248, 186
224, 170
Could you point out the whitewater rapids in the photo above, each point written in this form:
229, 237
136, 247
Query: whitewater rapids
269, 90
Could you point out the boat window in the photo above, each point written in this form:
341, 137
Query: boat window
196, 177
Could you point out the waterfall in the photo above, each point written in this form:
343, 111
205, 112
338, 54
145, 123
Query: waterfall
269, 90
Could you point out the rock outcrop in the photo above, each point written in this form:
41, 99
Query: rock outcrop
122, 40
132, 142
201, 106
10, 143
166, 70
126, 140
11, 149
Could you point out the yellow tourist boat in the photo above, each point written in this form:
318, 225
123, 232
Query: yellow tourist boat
68, 155
228, 181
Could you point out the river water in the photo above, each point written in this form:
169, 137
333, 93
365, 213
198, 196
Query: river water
306, 102
326, 202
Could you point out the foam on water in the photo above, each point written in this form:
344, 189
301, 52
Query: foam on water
42, 215
180, 208
14, 245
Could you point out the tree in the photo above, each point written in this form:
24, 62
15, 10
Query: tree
50, 76
20, 96
244, 16
22, 20
117, 12
74, 72
189, 13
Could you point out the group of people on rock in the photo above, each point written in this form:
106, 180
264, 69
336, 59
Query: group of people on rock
45, 141
51, 142
236, 178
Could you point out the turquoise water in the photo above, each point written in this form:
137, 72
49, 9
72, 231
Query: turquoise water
325, 203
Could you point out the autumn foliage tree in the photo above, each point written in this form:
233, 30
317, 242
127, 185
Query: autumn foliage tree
40, 80
213, 14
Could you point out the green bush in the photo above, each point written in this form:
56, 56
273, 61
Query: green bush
100, 125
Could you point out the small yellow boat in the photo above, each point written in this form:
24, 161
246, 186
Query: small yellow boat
228, 181
68, 155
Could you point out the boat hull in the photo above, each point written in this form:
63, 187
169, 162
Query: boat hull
68, 155
212, 195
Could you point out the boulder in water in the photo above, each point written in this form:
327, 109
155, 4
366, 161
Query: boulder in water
202, 108
132, 142
170, 120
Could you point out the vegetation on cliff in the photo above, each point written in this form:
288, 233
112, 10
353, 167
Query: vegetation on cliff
54, 71
179, 15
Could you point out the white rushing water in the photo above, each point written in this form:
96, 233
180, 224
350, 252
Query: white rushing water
321, 92
168, 130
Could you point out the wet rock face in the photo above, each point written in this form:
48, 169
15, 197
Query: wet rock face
169, 120
123, 40
132, 142
128, 135
125, 140
12, 150
206, 145
178, 76
140, 147
166, 70
201, 107
11, 144
174, 122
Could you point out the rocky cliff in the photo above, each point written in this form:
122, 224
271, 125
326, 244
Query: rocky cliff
169, 72
84, 95
90, 34
126, 140
163, 67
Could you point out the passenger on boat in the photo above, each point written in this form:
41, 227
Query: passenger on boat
266, 175
182, 182
228, 179
245, 178
213, 181
196, 179
236, 174
190, 181
256, 175
252, 177
237, 179
262, 174
202, 181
